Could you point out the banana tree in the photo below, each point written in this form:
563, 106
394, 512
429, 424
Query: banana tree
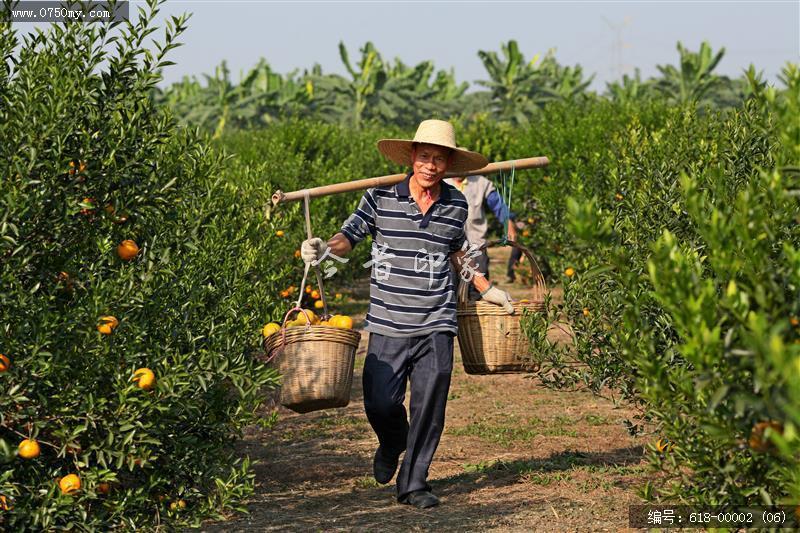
629, 89
519, 88
694, 80
510, 81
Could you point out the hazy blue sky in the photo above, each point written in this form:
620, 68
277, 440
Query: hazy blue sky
606, 38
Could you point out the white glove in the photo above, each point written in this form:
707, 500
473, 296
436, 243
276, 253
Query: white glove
493, 295
312, 250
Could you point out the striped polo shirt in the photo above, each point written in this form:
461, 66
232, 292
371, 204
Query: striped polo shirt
411, 288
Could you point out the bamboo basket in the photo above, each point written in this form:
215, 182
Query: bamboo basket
490, 339
316, 364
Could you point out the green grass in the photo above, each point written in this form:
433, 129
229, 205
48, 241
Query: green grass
514, 430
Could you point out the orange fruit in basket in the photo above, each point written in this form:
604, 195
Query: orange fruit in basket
302, 319
270, 328
341, 321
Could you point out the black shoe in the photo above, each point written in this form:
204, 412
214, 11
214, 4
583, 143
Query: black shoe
421, 499
384, 466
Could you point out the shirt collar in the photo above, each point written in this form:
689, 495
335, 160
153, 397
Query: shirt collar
404, 189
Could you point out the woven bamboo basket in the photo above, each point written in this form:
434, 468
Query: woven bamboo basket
316, 365
490, 339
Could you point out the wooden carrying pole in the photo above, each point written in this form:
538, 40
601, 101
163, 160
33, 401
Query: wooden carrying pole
380, 181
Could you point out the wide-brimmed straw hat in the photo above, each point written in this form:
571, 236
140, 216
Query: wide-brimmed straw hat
440, 133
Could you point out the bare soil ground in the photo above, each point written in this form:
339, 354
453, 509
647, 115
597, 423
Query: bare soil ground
514, 457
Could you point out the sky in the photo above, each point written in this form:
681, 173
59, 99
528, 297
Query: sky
606, 38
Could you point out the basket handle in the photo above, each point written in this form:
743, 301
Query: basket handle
280, 348
539, 288
309, 234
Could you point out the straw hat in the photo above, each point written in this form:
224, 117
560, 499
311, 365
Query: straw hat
440, 133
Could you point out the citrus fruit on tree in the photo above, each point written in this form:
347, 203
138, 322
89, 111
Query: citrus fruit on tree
4, 505
127, 250
318, 304
315, 294
29, 449
569, 272
177, 505
5, 363
103, 488
270, 328
758, 440
145, 378
70, 484
107, 324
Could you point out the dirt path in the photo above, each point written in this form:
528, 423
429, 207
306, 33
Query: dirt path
514, 457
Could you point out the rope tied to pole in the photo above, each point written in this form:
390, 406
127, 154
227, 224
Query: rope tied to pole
506, 187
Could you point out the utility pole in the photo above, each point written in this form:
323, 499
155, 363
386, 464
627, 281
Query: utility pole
618, 68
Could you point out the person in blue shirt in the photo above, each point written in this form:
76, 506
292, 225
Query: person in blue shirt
480, 193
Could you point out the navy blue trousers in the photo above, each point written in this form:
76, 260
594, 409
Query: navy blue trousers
427, 361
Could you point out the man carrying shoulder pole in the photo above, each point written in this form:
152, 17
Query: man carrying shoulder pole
417, 229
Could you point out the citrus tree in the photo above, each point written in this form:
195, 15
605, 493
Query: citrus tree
133, 281
680, 278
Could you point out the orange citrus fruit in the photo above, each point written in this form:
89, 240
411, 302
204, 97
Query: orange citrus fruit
29, 449
4, 505
338, 296
279, 233
794, 321
297, 253
103, 488
618, 197
318, 304
758, 440
341, 321
586, 311
127, 250
178, 505
308, 289
70, 484
107, 324
526, 233
663, 445
569, 272
145, 378
284, 294
315, 295
301, 317
270, 328
5, 363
